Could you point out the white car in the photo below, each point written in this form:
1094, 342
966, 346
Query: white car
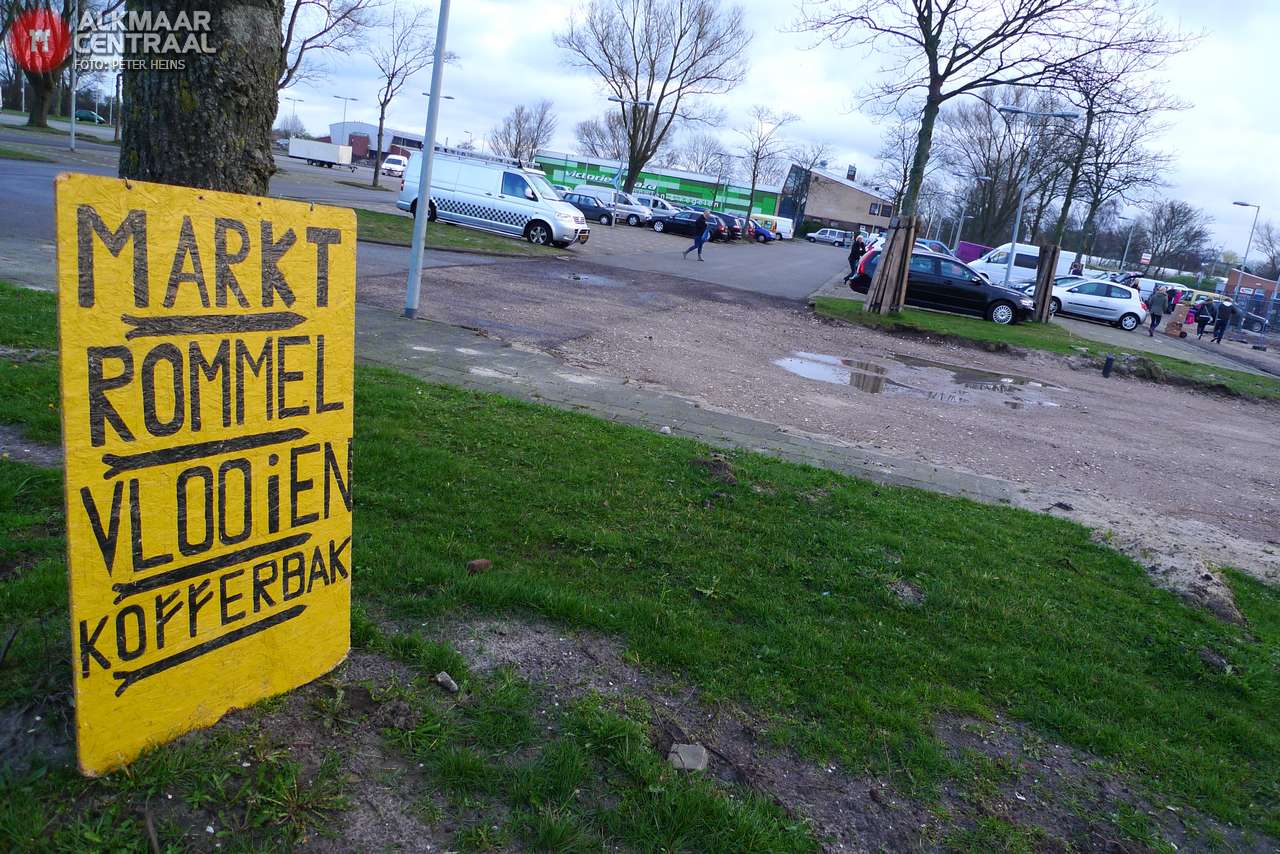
394, 165
1098, 299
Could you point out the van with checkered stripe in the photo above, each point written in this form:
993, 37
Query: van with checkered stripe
499, 194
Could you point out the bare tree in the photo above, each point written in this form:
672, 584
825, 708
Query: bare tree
524, 130
699, 152
1267, 242
290, 125
669, 52
763, 147
314, 26
406, 50
605, 137
945, 49
1177, 234
1118, 164
897, 151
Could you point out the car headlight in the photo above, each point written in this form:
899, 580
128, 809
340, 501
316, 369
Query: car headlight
568, 217
1027, 302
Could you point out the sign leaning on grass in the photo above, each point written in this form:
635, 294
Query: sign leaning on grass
207, 349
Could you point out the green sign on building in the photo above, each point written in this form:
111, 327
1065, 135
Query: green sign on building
674, 185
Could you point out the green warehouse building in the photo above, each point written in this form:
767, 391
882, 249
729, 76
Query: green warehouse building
674, 185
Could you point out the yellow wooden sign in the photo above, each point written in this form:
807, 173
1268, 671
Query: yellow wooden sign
207, 344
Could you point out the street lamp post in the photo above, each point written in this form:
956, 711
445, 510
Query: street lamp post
75, 18
613, 218
413, 288
1124, 259
294, 126
346, 137
964, 208
1026, 177
1257, 209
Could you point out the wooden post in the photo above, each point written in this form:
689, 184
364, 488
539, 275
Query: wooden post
888, 290
1046, 272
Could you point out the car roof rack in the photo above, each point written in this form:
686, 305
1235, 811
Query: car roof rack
488, 158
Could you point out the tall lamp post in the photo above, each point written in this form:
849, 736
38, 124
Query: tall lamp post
294, 126
964, 210
617, 180
346, 137
1124, 259
1257, 209
1026, 177
413, 288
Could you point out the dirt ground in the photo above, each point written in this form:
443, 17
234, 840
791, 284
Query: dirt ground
1181, 480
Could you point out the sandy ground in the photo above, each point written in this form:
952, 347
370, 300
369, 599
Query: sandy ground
1179, 479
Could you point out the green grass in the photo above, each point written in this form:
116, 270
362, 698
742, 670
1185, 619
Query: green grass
362, 185
1040, 336
28, 366
17, 154
398, 229
774, 595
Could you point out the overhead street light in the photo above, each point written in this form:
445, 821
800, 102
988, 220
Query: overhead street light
295, 101
617, 179
346, 137
964, 206
1124, 259
1026, 177
1257, 209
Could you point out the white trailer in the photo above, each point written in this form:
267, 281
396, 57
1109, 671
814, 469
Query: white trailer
317, 153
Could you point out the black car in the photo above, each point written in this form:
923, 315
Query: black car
735, 226
590, 207
685, 222
942, 283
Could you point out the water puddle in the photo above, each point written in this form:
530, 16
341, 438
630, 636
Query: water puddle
921, 378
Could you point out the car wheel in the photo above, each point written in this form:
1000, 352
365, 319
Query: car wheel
840, 244
1001, 313
1254, 326
658, 225
1054, 306
538, 233
633, 220
604, 219
811, 240
1130, 322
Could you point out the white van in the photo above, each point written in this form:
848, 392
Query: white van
1025, 259
623, 204
781, 226
493, 193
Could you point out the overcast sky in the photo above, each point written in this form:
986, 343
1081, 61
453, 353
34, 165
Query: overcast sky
1224, 145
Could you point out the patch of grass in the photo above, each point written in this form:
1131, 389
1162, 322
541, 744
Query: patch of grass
18, 154
81, 133
28, 318
362, 185
398, 229
1052, 337
994, 834
29, 374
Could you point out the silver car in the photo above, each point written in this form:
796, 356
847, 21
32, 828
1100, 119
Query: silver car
1097, 299
834, 236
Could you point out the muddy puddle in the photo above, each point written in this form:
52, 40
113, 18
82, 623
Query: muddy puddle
922, 378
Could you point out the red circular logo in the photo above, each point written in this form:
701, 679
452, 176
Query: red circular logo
39, 40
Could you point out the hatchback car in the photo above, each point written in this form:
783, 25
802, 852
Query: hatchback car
735, 226
834, 236
591, 207
90, 116
1096, 299
945, 284
394, 165
685, 222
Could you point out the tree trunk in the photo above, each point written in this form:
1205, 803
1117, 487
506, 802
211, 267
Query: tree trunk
41, 99
1077, 163
924, 141
377, 154
209, 124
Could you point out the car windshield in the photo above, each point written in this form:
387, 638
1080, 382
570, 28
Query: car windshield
542, 185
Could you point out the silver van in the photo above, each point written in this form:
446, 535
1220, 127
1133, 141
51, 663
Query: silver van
661, 208
834, 236
493, 193
625, 206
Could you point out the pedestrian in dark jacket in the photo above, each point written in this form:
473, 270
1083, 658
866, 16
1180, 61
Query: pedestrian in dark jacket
1204, 315
1157, 306
1222, 319
856, 251
701, 231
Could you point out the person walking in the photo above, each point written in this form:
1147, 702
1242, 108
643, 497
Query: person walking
1222, 319
856, 251
1077, 268
1157, 307
701, 231
1204, 314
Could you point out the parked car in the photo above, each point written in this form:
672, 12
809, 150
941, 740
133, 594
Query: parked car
734, 225
936, 246
1097, 299
627, 208
660, 208
1251, 321
495, 194
1026, 258
592, 208
782, 227
394, 165
685, 222
760, 233
90, 116
834, 236
945, 284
